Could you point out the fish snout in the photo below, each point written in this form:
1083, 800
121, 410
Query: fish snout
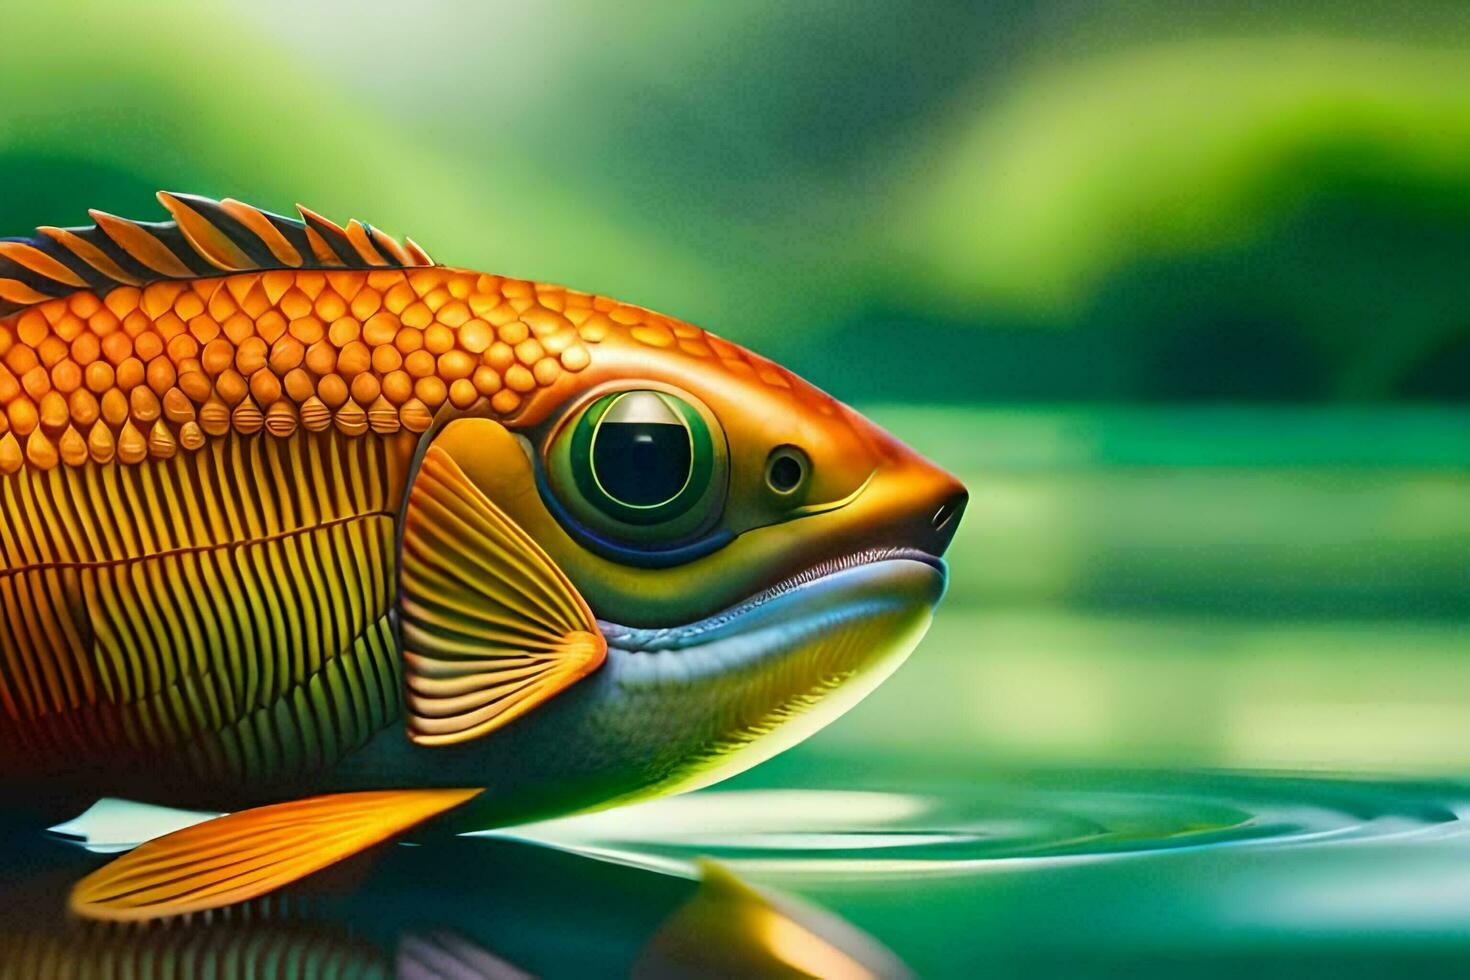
915, 504
909, 502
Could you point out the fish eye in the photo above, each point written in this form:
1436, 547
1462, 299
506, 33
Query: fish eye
640, 453
640, 466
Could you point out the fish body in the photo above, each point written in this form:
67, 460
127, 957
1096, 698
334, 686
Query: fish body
286, 509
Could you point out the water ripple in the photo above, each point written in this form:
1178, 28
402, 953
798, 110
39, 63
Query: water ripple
1001, 824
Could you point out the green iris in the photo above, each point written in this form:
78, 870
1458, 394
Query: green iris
642, 464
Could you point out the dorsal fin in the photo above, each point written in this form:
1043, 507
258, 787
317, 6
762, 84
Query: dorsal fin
206, 238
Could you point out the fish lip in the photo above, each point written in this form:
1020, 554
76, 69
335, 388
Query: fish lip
633, 639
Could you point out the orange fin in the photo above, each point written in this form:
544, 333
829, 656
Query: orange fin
243, 855
491, 626
205, 238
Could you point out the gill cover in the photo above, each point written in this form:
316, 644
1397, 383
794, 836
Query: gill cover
492, 628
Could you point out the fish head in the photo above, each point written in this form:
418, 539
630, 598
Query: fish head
757, 555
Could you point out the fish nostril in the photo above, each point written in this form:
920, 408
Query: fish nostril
949, 512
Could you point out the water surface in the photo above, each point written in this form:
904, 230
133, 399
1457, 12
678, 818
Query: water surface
1047, 872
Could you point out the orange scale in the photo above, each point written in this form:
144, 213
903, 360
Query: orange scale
295, 304
431, 391
575, 358
84, 304
188, 306
417, 315
217, 355
51, 350
398, 297
366, 303
221, 304
69, 326
122, 301
32, 327
168, 325
137, 321
103, 322
517, 288
148, 346
505, 401
347, 284
344, 330
419, 364
66, 376
238, 327
86, 349
519, 378
384, 279
426, 280
453, 314
307, 329
159, 297
380, 328
99, 376
386, 358
257, 301
179, 349
270, 325
462, 393
311, 283
203, 328
397, 387
330, 306
475, 336
460, 285
36, 382
116, 348
438, 339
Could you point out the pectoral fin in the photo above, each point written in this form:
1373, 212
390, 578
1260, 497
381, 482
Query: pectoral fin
492, 628
243, 855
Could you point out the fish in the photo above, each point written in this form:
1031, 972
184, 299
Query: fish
300, 526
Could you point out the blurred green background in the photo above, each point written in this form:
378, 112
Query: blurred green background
1179, 290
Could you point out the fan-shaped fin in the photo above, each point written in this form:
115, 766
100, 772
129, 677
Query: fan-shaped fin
491, 627
243, 855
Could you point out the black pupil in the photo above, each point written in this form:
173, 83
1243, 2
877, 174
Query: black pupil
785, 473
641, 463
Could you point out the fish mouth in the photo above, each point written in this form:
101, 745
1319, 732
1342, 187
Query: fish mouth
787, 592
748, 682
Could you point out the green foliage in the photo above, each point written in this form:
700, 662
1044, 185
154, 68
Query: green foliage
976, 203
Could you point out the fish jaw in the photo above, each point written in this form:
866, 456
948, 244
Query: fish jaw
744, 685
674, 709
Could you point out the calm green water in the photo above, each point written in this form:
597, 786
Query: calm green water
1036, 873
1198, 705
1090, 874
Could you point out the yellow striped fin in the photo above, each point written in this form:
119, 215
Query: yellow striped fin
492, 628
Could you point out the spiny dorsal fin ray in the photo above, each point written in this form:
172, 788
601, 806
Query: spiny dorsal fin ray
206, 238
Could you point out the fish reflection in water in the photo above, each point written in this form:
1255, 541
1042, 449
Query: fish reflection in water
460, 909
1055, 874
